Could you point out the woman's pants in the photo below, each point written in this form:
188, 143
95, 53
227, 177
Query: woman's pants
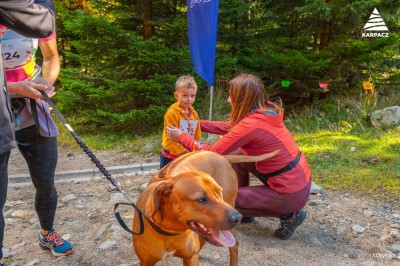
261, 200
41, 157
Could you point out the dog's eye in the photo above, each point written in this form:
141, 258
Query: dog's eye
203, 200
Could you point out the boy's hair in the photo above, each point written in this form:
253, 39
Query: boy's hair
185, 81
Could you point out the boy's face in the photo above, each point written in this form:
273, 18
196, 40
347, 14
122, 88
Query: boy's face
185, 97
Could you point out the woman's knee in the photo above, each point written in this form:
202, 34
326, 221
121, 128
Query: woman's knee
44, 187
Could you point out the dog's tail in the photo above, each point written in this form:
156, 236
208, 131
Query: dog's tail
250, 159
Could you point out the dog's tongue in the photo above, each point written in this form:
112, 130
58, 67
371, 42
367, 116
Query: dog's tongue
225, 238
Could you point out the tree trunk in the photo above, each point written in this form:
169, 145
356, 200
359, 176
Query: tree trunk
235, 38
148, 17
325, 35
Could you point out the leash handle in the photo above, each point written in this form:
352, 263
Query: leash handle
122, 223
141, 230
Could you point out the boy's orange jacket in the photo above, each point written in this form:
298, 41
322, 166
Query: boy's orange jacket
176, 116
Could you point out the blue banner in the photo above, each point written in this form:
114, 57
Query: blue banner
203, 26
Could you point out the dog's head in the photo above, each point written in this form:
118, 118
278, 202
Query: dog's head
194, 201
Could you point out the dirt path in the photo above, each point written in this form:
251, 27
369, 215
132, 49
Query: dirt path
69, 159
341, 229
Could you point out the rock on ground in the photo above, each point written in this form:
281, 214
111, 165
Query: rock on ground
389, 117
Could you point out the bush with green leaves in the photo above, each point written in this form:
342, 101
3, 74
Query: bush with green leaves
114, 78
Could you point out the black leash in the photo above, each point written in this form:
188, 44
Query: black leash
104, 171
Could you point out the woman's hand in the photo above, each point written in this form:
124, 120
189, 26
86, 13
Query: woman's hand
50, 88
30, 89
173, 132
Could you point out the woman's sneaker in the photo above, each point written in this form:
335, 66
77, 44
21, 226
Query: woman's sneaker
289, 225
57, 245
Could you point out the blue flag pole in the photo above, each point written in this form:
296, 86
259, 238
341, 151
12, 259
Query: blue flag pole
211, 102
202, 32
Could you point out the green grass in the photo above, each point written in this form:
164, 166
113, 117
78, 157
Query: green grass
367, 162
107, 140
344, 151
9, 260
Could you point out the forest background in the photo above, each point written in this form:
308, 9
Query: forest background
121, 58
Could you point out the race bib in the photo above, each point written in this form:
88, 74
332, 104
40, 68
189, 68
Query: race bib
188, 127
17, 49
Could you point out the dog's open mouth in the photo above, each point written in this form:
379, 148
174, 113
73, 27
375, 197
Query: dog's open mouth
213, 236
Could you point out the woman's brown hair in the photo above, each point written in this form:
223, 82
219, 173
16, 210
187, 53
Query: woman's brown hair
247, 94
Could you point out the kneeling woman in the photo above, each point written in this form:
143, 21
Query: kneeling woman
256, 127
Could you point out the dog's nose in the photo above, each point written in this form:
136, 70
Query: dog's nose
235, 217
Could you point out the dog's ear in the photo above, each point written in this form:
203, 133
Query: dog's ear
159, 194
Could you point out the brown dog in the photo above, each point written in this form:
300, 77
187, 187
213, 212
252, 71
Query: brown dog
192, 197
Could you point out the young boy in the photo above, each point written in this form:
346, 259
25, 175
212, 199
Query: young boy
182, 115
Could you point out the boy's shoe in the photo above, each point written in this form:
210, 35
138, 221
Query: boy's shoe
53, 241
289, 225
248, 220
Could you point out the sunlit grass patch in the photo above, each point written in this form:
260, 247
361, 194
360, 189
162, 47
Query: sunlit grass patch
367, 162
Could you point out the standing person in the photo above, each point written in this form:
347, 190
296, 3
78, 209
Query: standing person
181, 114
37, 139
34, 19
256, 127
